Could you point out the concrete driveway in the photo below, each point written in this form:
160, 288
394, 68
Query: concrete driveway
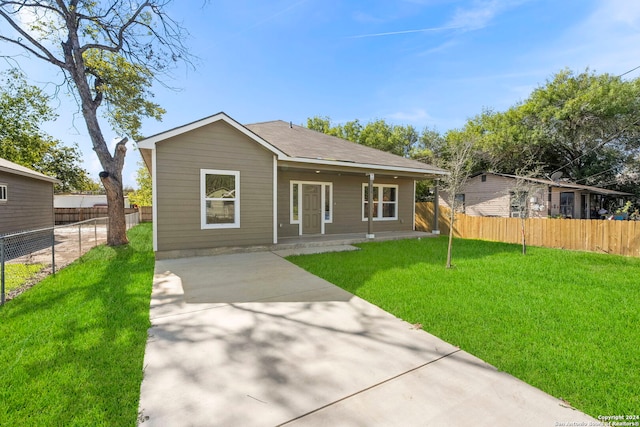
252, 340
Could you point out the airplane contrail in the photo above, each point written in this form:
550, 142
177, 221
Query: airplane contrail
393, 33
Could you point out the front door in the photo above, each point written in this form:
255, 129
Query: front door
311, 209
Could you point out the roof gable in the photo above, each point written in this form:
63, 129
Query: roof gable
149, 142
292, 143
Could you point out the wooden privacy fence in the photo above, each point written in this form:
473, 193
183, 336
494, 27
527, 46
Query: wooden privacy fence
146, 213
71, 215
613, 237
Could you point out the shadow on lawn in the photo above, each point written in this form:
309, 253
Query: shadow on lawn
81, 336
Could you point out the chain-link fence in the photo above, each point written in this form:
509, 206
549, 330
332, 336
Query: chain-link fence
27, 257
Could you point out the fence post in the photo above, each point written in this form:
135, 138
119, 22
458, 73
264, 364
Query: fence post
53, 251
79, 240
95, 232
2, 268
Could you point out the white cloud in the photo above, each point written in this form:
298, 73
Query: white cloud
480, 14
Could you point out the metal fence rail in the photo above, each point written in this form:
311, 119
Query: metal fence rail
31, 255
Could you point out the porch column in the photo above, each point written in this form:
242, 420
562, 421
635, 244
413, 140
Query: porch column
436, 208
370, 234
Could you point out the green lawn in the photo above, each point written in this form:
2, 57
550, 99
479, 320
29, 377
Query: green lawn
72, 347
17, 275
565, 322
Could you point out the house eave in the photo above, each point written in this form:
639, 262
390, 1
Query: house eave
363, 167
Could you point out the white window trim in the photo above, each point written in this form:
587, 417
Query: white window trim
377, 216
323, 185
203, 199
4, 193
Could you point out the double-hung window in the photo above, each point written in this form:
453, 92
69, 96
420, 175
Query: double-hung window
220, 198
3, 192
385, 202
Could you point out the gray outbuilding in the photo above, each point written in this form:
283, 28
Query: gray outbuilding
26, 198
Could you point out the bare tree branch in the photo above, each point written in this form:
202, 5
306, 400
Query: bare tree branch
42, 52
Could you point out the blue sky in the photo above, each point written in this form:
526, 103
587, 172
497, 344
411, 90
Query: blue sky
426, 63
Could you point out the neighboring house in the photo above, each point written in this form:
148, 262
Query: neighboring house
26, 198
492, 194
83, 200
217, 183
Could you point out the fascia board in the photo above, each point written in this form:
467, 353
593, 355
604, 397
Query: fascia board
361, 165
150, 142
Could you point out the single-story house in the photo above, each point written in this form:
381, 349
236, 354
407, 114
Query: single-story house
219, 184
26, 198
497, 194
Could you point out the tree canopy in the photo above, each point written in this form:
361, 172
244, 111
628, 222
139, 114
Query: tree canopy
585, 125
109, 52
143, 195
396, 139
23, 109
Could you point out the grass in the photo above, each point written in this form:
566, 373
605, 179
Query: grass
17, 275
565, 322
72, 347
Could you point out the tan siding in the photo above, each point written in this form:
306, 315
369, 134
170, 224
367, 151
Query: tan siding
29, 204
347, 200
216, 146
489, 198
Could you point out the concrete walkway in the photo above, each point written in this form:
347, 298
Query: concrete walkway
252, 340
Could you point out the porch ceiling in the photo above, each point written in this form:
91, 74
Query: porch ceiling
348, 170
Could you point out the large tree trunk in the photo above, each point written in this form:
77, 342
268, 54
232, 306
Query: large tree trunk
111, 178
117, 231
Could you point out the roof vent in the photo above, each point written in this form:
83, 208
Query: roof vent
291, 125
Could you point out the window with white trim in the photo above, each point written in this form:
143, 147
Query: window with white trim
3, 192
385, 202
220, 198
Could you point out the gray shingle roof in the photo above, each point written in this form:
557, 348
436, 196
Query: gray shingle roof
7, 166
300, 142
563, 184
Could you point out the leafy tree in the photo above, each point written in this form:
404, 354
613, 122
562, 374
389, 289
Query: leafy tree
142, 196
398, 139
379, 134
109, 53
63, 162
585, 125
429, 146
22, 110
